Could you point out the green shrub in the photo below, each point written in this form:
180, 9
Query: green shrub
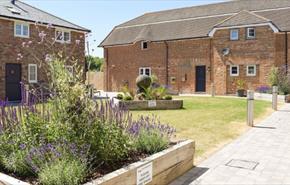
279, 77
240, 84
15, 162
120, 96
274, 76
168, 97
128, 98
63, 172
143, 81
151, 141
109, 143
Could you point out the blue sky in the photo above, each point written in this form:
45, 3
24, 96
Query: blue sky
101, 16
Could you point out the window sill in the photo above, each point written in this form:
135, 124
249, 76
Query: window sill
32, 82
63, 42
22, 36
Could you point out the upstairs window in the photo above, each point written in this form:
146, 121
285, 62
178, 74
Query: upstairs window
251, 70
234, 70
144, 45
62, 36
145, 71
21, 30
251, 33
234, 34
32, 73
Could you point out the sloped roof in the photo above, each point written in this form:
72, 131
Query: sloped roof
198, 21
243, 18
29, 13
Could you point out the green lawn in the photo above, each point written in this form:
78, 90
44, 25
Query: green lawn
211, 122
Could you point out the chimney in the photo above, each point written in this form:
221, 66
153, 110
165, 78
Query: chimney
13, 1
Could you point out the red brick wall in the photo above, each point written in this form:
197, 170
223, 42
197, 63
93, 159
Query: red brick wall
260, 51
10, 46
265, 51
184, 56
124, 62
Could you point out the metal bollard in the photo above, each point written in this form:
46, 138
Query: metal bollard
212, 90
275, 98
250, 109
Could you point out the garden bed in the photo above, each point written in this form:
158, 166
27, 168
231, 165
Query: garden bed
268, 97
161, 168
152, 104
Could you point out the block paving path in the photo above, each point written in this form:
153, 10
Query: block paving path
260, 156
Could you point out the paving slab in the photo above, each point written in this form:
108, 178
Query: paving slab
260, 156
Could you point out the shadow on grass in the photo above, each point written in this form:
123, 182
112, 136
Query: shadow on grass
191, 176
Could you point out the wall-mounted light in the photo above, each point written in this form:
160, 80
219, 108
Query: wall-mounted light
208, 69
226, 51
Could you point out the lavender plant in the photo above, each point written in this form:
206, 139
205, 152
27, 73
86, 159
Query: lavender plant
61, 135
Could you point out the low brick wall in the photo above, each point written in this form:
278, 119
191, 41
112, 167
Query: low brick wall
166, 166
152, 105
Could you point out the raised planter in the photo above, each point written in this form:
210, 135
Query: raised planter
160, 168
241, 93
268, 97
287, 98
166, 166
152, 105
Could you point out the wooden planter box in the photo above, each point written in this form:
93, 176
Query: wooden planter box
287, 98
166, 166
152, 105
160, 168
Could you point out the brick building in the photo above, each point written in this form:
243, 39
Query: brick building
21, 23
191, 48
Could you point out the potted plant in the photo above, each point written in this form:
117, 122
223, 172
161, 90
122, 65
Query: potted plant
241, 88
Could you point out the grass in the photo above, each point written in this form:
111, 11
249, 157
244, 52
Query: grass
211, 122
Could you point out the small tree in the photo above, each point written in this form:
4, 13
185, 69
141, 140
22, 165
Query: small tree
94, 63
279, 77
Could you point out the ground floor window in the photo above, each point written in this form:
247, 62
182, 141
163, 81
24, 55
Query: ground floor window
32, 73
251, 70
234, 70
145, 71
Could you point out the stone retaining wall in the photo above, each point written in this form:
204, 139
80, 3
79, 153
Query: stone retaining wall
152, 105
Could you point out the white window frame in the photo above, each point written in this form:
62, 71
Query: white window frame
255, 70
231, 34
142, 70
248, 33
29, 66
22, 24
238, 70
62, 33
142, 45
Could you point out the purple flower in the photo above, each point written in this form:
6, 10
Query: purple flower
22, 147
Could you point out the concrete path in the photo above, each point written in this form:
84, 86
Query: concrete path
261, 156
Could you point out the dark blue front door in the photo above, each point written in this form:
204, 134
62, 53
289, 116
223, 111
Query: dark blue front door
200, 78
13, 79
